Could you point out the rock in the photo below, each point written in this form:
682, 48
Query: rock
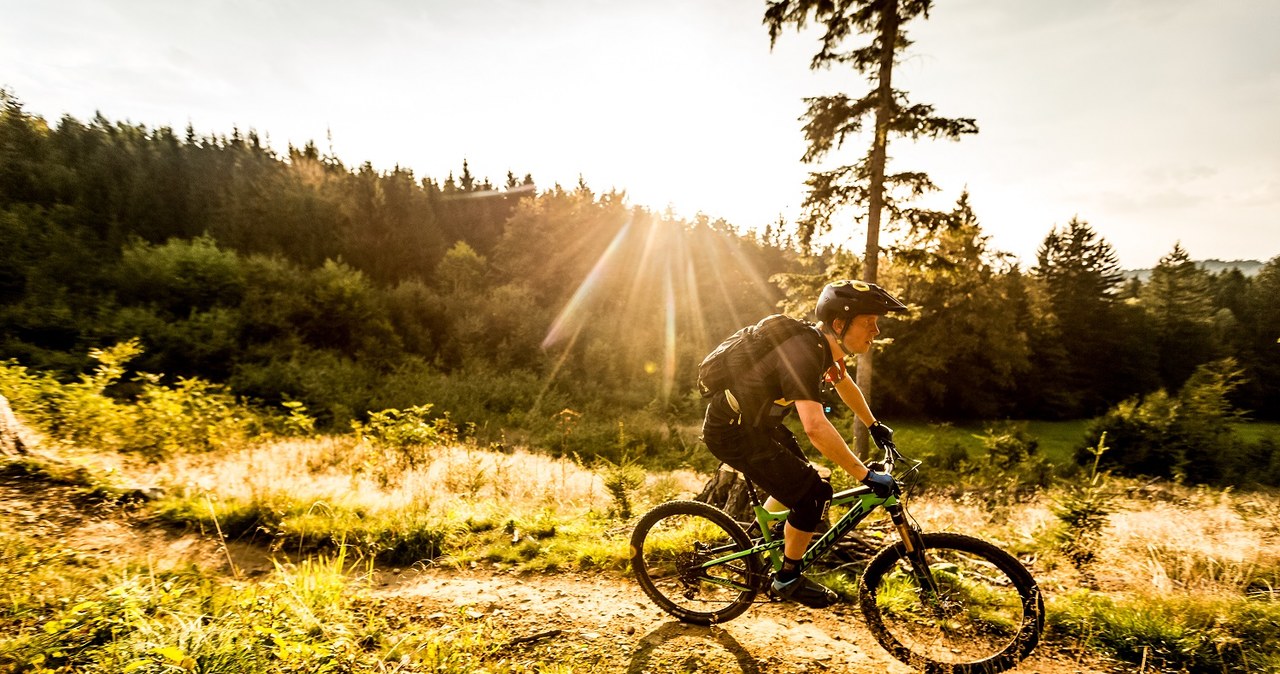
141, 493
11, 443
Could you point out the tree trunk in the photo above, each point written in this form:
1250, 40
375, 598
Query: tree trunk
879, 150
727, 490
11, 443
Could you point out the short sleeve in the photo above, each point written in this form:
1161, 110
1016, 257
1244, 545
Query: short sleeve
800, 368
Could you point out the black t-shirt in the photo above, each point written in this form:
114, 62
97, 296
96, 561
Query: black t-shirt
767, 391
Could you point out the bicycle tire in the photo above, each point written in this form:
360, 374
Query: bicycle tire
987, 614
667, 547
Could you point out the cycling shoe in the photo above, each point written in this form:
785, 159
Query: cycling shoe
804, 591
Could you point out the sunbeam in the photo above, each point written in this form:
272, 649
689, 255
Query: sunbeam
575, 306
669, 341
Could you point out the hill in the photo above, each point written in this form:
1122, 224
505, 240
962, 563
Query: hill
1249, 268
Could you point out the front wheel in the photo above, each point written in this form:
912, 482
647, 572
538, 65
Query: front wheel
957, 604
670, 550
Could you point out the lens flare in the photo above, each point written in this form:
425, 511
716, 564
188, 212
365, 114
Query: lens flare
669, 338
646, 296
573, 315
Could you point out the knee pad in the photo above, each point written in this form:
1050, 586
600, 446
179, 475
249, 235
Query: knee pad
812, 507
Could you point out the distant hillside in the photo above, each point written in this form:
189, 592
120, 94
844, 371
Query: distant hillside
1248, 267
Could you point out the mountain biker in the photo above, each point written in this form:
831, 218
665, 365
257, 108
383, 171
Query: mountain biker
743, 425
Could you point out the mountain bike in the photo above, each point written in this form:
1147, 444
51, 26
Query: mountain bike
940, 602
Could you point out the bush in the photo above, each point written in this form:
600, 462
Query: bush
1009, 445
1084, 511
193, 415
407, 434
1186, 437
624, 477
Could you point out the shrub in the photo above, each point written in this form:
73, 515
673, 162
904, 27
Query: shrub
1009, 445
192, 415
1188, 436
1084, 509
408, 434
624, 477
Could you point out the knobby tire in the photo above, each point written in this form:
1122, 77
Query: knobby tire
669, 544
986, 615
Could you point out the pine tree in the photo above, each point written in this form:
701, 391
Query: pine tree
830, 120
1088, 359
1178, 299
962, 354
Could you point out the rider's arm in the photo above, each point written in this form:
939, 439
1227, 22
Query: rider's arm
852, 396
827, 439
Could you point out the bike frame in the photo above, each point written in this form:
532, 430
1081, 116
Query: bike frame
862, 501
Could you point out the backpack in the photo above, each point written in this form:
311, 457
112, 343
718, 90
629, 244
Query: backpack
743, 348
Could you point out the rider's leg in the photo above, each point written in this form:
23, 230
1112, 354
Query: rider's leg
795, 541
789, 583
806, 512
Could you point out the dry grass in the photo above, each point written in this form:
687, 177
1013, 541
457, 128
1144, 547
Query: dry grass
1184, 574
341, 472
1204, 542
1182, 540
1165, 541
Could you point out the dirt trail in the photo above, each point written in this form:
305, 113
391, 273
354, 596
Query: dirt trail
612, 619
599, 619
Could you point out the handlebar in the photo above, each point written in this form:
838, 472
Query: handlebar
891, 457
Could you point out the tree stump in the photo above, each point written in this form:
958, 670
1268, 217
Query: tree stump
727, 490
11, 443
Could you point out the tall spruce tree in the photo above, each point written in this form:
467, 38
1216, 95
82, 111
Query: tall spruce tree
1260, 354
830, 120
962, 354
1081, 277
1178, 299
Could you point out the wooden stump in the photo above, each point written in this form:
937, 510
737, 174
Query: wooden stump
11, 443
727, 490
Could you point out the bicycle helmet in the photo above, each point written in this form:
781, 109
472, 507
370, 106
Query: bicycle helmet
849, 298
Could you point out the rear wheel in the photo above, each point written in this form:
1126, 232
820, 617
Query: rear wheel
669, 547
956, 604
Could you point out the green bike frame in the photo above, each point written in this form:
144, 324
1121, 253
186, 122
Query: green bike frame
861, 501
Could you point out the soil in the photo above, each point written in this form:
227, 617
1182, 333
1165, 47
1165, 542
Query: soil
598, 619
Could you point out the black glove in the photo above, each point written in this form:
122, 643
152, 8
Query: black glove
882, 484
883, 435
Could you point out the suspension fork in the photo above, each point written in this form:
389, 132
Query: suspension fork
913, 546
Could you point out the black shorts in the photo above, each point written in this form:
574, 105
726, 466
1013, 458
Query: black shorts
770, 457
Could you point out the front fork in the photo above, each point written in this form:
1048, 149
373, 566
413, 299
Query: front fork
913, 545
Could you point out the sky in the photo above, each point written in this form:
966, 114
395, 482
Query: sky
1156, 121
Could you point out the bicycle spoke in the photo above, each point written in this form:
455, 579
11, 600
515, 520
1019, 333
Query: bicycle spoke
675, 562
973, 615
963, 606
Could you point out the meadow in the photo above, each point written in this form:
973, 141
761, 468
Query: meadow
1172, 578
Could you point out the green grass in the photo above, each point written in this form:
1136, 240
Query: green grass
1253, 431
64, 611
1057, 439
1173, 633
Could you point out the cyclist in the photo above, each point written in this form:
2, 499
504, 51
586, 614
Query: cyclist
743, 425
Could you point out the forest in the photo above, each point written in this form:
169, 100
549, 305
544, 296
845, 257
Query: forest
295, 415
290, 277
